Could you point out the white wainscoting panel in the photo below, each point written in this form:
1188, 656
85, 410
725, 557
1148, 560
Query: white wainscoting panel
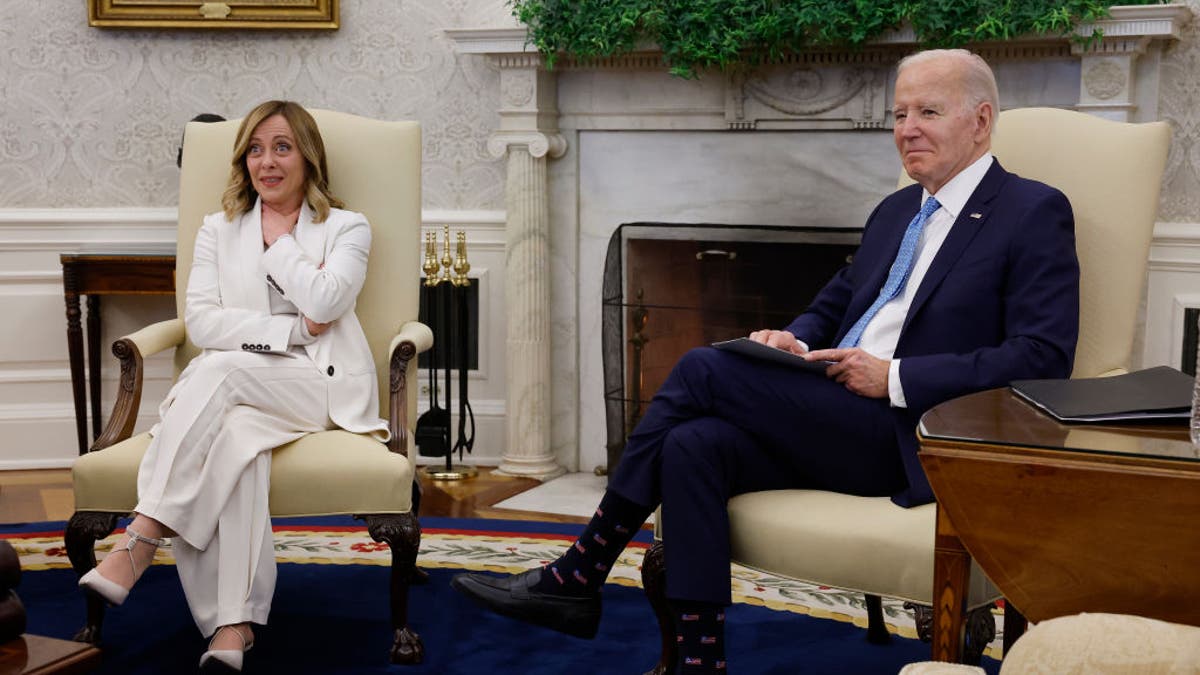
37, 418
1173, 286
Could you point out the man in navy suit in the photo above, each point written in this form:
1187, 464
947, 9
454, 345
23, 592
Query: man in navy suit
963, 282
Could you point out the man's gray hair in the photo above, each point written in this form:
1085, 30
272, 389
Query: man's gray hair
977, 77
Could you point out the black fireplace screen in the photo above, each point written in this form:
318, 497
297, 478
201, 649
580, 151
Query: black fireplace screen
670, 287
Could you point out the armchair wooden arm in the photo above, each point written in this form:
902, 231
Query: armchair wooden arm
130, 350
414, 337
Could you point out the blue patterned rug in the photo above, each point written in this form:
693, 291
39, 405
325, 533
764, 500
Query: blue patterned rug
330, 613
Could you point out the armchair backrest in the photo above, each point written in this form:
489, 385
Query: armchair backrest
375, 168
1112, 173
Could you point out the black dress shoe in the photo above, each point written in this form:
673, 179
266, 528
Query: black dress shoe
514, 596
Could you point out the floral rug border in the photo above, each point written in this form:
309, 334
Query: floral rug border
514, 552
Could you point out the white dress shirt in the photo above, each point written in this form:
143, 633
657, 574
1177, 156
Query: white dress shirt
883, 331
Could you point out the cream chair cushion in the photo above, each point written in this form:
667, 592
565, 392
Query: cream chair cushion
865, 544
374, 167
332, 472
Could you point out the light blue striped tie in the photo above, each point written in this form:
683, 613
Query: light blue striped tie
897, 276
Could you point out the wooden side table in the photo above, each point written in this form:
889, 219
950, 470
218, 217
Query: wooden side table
37, 655
1062, 518
93, 275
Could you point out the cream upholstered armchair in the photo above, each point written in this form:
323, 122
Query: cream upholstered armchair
374, 166
1111, 172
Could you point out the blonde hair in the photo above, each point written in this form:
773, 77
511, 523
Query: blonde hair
977, 79
240, 194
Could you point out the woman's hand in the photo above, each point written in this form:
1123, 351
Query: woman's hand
276, 224
314, 328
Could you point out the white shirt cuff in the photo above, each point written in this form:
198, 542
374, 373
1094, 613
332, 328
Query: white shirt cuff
895, 389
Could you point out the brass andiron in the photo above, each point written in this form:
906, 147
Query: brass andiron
430, 264
447, 308
461, 266
447, 261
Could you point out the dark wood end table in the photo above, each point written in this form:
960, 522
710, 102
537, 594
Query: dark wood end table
1062, 518
93, 275
37, 655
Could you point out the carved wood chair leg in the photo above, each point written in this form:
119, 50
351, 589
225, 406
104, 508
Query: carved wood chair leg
402, 533
877, 632
420, 577
83, 530
1014, 625
654, 582
923, 618
980, 630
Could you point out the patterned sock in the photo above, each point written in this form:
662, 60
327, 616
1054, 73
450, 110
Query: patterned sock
700, 632
584, 567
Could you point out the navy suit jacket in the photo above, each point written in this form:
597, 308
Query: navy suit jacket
999, 302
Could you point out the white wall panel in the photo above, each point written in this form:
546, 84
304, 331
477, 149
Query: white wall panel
37, 422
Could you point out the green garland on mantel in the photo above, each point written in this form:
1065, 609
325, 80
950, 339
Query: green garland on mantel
699, 34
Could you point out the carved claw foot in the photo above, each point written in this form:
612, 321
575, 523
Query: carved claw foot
980, 630
407, 648
923, 618
80, 536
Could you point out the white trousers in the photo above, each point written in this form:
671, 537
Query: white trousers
206, 475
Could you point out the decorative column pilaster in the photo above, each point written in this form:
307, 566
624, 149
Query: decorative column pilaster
528, 136
527, 301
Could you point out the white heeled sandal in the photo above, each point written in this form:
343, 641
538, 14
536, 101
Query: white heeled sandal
110, 591
225, 660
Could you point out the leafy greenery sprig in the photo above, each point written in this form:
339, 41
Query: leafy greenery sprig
698, 34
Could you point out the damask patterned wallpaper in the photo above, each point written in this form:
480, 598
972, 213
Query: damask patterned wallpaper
92, 118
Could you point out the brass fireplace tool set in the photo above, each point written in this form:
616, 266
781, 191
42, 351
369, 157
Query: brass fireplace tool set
445, 293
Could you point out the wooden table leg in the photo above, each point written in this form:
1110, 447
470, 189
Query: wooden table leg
93, 352
951, 572
75, 352
1014, 625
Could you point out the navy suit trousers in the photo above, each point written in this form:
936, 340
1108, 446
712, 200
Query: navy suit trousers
723, 425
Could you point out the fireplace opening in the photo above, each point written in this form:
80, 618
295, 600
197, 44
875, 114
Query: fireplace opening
670, 287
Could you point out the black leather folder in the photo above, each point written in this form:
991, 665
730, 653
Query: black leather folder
757, 350
1160, 393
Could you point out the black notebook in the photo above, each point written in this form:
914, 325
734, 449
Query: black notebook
1155, 393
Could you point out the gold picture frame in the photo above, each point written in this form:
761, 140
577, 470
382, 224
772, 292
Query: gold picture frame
263, 14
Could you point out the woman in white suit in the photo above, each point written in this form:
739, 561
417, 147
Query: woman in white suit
270, 300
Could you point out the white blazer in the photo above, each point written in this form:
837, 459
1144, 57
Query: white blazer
320, 268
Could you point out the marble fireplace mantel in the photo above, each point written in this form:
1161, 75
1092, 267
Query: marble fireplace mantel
592, 144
